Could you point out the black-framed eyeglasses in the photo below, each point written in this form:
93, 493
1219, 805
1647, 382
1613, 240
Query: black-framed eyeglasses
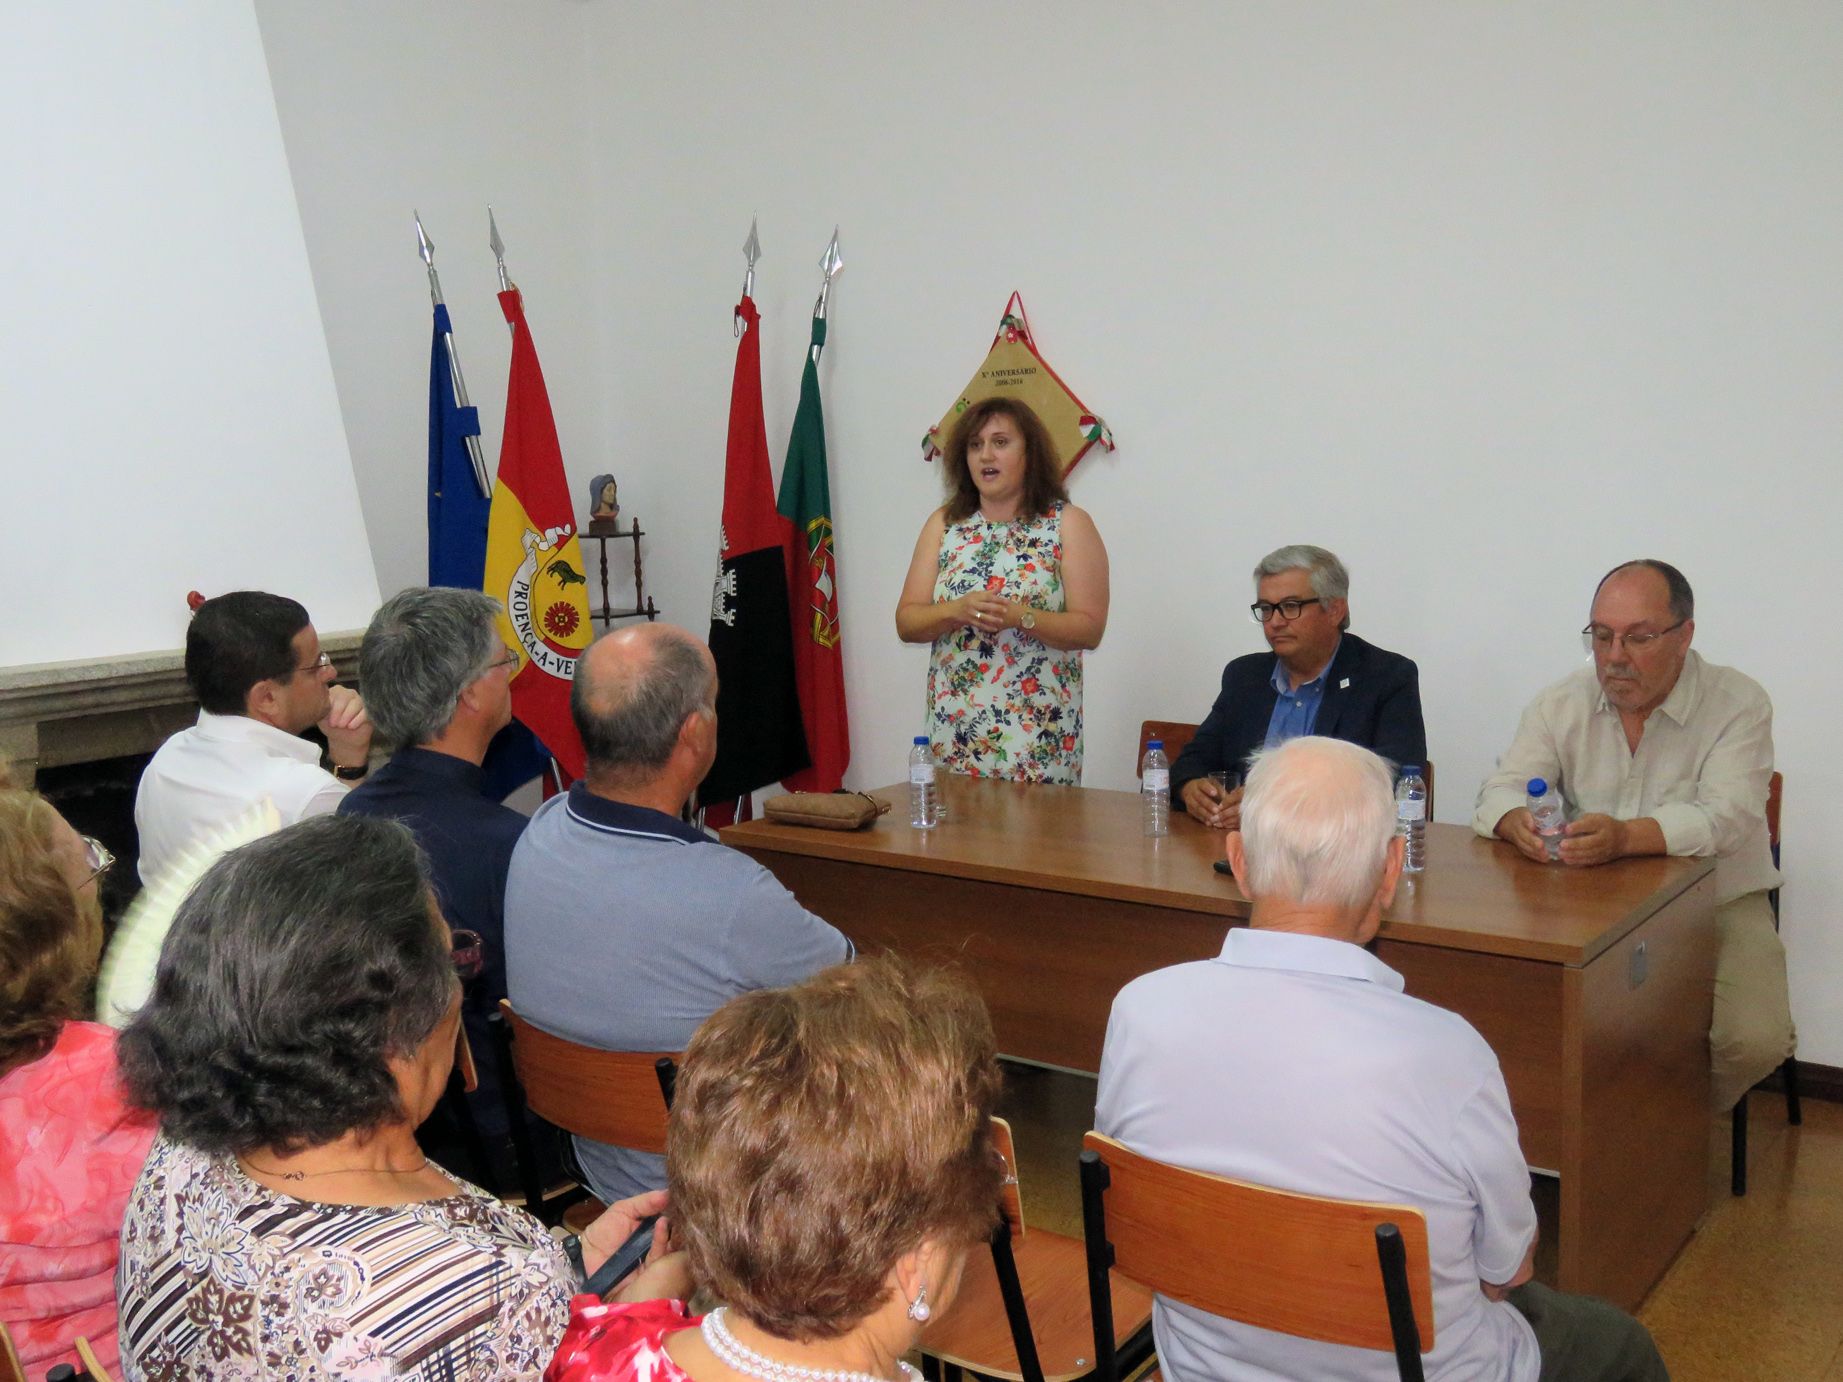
1263, 610
97, 858
1597, 638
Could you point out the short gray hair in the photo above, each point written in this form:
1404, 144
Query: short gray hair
629, 720
1317, 816
425, 646
1330, 581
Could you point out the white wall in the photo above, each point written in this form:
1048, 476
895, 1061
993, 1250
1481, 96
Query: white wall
1485, 299
170, 413
395, 106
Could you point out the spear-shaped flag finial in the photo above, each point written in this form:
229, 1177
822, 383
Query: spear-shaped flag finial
499, 249
752, 250
427, 248
829, 265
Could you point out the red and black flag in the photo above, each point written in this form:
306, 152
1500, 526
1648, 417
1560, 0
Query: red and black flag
759, 734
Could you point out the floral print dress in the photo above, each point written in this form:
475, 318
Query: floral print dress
1005, 704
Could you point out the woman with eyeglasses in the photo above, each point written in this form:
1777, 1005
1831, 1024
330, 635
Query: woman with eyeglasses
1009, 585
70, 1143
287, 1225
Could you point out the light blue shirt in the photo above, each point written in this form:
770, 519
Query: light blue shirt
1295, 713
1297, 1062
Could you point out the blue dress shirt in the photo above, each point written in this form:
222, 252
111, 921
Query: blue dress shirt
1295, 713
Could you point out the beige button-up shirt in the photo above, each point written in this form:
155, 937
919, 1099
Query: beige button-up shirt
1701, 770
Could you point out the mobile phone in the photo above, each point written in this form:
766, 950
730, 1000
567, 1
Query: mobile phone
1222, 866
622, 1260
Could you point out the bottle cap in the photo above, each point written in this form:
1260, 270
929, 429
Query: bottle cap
1154, 744
1538, 787
921, 738
1411, 770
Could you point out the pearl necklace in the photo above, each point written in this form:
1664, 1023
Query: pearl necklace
746, 1360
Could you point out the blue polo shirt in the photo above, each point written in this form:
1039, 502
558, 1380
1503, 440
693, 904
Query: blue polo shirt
1295, 713
626, 928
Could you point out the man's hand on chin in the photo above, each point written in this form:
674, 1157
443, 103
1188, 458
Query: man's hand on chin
347, 728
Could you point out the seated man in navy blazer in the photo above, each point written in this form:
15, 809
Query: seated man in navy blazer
1318, 679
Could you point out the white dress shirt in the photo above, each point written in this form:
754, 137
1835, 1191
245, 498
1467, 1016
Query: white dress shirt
1701, 771
1297, 1062
209, 775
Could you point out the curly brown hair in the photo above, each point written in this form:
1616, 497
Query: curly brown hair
1043, 484
50, 938
820, 1132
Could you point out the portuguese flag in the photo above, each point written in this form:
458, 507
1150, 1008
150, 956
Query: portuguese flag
812, 582
759, 735
533, 561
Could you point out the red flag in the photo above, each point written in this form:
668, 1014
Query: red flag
533, 562
759, 735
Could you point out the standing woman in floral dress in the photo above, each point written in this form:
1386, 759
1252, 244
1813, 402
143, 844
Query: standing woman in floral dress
1009, 583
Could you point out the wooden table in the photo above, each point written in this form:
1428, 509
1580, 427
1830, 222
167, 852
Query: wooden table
1593, 986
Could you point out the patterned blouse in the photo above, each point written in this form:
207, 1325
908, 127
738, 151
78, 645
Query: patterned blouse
223, 1278
1005, 704
70, 1148
620, 1343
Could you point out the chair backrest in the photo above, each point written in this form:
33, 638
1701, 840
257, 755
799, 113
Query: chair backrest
1775, 794
1012, 1196
87, 1356
606, 1096
11, 1369
1296, 1264
1175, 734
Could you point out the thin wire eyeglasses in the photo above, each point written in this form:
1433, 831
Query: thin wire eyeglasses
1597, 638
96, 857
318, 664
1263, 610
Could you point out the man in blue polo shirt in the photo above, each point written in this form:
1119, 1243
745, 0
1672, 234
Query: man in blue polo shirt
625, 927
437, 676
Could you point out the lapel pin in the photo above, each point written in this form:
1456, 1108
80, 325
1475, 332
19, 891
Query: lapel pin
1344, 685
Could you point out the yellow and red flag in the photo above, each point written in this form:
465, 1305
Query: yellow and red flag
534, 564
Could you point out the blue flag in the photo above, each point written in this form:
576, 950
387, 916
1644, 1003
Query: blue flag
457, 509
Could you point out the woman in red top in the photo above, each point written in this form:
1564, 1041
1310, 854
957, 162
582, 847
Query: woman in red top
71, 1145
830, 1165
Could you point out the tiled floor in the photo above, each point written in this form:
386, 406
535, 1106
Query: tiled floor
1757, 1294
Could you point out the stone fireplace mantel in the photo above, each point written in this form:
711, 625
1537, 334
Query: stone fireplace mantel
56, 713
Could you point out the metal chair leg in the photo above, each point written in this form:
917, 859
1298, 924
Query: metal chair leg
1392, 1257
1788, 1075
1094, 1179
1737, 1145
1017, 1314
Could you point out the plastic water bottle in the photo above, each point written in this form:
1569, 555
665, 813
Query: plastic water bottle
1155, 790
923, 812
1550, 815
1411, 816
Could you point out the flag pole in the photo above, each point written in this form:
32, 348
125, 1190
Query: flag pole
499, 253
427, 248
752, 250
829, 265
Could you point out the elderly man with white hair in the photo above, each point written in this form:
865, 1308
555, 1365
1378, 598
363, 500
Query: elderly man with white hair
1294, 1060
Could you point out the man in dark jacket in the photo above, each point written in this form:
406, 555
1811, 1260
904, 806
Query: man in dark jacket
1318, 679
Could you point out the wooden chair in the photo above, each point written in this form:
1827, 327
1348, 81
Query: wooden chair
618, 1097
1174, 733
1788, 1071
96, 1371
1338, 1271
1021, 1311
11, 1369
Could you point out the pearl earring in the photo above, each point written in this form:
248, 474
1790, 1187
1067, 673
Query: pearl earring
918, 1308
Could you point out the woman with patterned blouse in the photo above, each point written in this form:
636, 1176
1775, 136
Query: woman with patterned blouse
1009, 583
287, 1226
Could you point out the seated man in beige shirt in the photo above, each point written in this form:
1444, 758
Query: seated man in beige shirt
1657, 752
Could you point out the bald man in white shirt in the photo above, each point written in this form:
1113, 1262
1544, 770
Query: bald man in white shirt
1295, 1060
1657, 752
254, 662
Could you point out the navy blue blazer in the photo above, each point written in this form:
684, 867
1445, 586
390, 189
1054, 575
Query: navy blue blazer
1372, 698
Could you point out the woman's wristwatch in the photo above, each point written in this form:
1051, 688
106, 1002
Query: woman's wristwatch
1028, 619
355, 773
